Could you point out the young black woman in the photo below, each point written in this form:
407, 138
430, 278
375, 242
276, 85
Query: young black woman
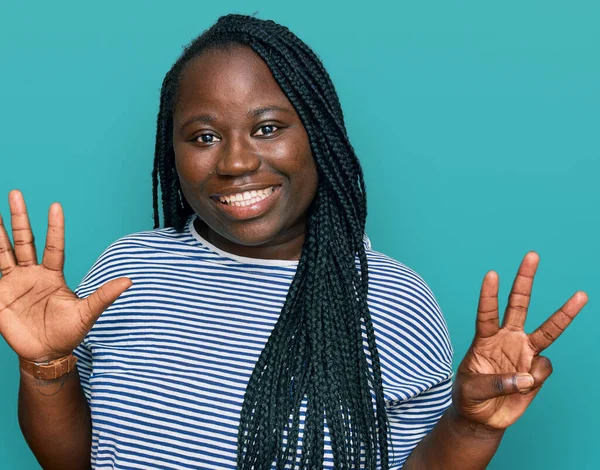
258, 328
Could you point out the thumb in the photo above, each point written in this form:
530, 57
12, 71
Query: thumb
482, 387
93, 306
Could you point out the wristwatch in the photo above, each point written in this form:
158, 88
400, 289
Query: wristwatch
49, 370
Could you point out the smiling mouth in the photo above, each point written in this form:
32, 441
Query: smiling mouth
246, 198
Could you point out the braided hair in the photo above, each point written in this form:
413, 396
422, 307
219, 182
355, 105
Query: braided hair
315, 358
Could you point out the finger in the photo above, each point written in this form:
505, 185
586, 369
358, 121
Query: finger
54, 252
554, 326
481, 387
7, 255
541, 368
487, 310
93, 306
21, 229
520, 294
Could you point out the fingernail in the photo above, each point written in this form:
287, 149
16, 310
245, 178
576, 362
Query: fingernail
524, 382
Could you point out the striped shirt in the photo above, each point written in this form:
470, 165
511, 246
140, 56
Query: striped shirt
166, 366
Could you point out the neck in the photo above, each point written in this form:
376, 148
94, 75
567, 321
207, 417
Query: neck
286, 247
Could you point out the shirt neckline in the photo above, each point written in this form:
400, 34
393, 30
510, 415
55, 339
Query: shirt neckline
230, 256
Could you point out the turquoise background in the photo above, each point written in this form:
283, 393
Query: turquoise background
477, 124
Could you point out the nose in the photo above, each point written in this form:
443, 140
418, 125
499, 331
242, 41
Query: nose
239, 157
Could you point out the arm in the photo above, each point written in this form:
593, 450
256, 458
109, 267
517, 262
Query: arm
454, 443
41, 319
55, 420
498, 378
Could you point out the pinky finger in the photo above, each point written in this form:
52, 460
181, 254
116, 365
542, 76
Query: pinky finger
540, 369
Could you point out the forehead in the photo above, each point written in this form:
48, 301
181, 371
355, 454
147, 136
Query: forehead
228, 79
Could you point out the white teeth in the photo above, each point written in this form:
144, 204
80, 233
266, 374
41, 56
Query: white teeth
247, 197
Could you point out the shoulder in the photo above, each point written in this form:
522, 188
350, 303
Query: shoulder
157, 239
144, 244
412, 334
136, 253
391, 277
394, 284
385, 271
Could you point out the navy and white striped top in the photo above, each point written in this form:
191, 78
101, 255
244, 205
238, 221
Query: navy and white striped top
166, 366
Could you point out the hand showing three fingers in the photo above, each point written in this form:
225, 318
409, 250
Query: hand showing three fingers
503, 371
40, 317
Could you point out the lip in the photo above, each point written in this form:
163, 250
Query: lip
252, 211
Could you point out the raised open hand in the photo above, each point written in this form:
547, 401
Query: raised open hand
40, 317
503, 371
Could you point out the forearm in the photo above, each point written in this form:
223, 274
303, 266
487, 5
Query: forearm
455, 444
55, 420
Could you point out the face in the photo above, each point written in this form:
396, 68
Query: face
242, 155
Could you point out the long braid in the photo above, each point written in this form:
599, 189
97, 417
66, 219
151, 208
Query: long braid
315, 356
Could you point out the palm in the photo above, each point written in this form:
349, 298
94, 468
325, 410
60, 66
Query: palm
40, 317
33, 305
486, 389
506, 352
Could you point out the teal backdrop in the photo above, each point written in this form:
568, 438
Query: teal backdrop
477, 124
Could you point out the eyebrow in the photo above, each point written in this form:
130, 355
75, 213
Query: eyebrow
209, 118
267, 109
203, 118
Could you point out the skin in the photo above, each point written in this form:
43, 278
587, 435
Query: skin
42, 319
498, 378
234, 130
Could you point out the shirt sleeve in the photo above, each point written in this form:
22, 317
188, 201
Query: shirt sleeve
412, 420
84, 367
415, 354
102, 271
83, 352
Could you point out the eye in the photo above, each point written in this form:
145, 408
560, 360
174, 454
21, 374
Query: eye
207, 138
266, 130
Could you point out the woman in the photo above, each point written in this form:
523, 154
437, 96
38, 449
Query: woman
258, 328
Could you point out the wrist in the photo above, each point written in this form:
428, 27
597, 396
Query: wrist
48, 370
465, 427
45, 358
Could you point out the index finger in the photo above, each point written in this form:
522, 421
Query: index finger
54, 252
487, 310
554, 326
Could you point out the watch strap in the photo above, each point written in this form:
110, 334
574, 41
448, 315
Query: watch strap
49, 370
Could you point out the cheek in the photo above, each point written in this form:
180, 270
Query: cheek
310, 172
312, 183
302, 166
191, 169
305, 184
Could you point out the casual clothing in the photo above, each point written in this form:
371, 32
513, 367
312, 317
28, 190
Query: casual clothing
165, 367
